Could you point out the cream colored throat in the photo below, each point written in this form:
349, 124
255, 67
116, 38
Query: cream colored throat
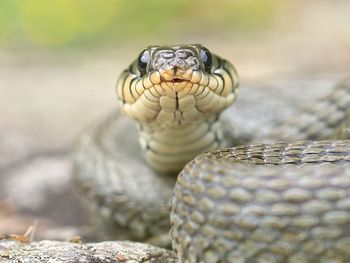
167, 150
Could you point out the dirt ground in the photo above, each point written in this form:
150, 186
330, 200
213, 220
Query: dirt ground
46, 100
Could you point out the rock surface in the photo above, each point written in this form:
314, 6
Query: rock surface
68, 252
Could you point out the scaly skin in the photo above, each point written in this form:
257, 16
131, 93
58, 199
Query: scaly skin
223, 210
176, 94
228, 206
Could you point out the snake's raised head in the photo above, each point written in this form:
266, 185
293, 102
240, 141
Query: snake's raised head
176, 94
174, 64
167, 86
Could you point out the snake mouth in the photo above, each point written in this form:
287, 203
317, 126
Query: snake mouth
174, 77
179, 80
175, 81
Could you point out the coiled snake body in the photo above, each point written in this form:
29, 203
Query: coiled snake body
281, 202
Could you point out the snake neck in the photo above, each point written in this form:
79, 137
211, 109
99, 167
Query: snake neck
176, 94
167, 150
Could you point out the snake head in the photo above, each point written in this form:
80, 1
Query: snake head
174, 85
174, 63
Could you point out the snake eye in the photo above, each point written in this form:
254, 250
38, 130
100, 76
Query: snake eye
142, 62
206, 57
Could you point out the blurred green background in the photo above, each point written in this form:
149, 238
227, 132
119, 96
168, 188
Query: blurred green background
81, 23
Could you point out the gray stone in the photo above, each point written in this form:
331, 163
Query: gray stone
68, 252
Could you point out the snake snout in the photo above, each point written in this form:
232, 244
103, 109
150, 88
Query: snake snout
175, 74
175, 65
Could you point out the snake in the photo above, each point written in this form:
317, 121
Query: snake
281, 201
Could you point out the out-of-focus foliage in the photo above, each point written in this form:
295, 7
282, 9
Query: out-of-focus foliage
62, 23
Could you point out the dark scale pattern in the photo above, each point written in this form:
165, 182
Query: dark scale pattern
125, 198
318, 120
